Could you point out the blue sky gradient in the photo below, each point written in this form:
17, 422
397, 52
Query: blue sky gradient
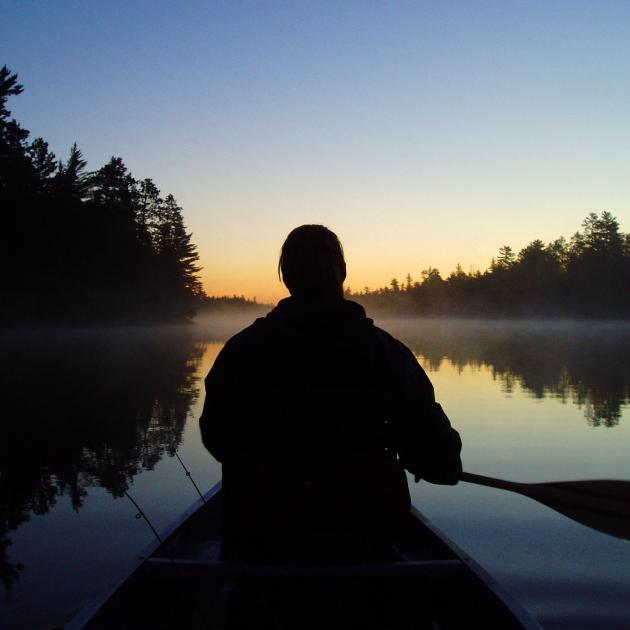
424, 133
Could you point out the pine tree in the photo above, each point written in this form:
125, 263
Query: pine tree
506, 257
42, 159
71, 180
177, 248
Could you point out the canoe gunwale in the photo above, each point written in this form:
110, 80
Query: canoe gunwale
525, 618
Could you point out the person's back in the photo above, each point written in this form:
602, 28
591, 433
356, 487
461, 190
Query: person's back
313, 411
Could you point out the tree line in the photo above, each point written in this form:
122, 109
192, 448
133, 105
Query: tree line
81, 246
232, 303
586, 276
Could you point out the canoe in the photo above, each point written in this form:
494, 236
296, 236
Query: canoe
181, 582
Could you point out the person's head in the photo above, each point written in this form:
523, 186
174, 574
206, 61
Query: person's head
312, 263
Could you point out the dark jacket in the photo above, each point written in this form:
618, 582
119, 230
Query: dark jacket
309, 410
313, 381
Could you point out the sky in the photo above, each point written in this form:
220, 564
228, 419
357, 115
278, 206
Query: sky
422, 133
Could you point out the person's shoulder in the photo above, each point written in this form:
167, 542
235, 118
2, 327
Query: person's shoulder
368, 326
399, 356
392, 342
249, 336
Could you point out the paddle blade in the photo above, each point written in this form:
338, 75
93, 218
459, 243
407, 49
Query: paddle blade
602, 504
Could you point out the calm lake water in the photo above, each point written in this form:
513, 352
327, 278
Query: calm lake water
95, 414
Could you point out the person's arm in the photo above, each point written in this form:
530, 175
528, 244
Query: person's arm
219, 404
428, 446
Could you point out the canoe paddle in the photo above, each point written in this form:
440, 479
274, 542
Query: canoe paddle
602, 504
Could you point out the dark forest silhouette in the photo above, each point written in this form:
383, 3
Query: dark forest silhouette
80, 246
587, 276
231, 303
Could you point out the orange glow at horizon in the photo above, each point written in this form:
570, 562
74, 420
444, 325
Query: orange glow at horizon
261, 281
248, 266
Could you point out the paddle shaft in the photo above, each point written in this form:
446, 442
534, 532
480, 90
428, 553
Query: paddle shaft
491, 482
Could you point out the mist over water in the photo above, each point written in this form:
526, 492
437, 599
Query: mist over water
91, 414
223, 325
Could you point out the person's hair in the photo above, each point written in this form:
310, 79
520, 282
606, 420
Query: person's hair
312, 263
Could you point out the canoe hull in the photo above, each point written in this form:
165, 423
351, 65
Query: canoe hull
184, 583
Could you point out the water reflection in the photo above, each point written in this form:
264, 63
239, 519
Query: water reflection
587, 364
86, 409
95, 408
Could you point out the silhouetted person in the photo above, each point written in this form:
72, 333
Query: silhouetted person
313, 412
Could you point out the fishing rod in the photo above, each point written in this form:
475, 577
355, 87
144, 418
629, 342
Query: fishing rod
141, 513
189, 475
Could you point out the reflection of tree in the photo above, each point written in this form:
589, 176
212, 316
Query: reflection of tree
9, 571
84, 409
588, 364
